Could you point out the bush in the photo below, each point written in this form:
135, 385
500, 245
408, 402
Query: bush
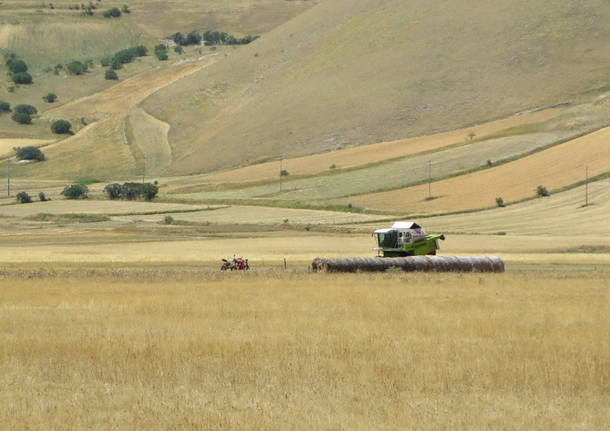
106, 61
114, 12
75, 191
141, 51
30, 153
500, 202
23, 197
61, 127
111, 75
50, 98
193, 38
113, 191
161, 52
26, 109
131, 191
5, 106
76, 68
168, 219
17, 66
22, 78
42, 197
178, 49
125, 9
22, 118
541, 191
284, 173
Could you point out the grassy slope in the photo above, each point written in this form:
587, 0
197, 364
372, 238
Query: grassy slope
353, 72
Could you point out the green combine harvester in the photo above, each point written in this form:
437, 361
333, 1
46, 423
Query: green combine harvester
406, 239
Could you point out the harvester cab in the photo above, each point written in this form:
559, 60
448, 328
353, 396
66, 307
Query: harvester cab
406, 239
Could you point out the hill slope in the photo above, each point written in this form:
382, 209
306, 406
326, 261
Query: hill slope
353, 72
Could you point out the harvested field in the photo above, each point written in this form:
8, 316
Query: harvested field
150, 136
117, 99
63, 206
554, 168
239, 214
392, 174
299, 352
298, 247
560, 214
363, 155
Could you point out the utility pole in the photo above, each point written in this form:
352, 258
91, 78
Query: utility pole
8, 178
281, 174
430, 179
587, 186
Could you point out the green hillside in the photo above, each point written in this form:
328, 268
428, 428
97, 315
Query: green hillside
354, 72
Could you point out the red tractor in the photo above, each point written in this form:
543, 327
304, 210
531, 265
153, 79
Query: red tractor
237, 264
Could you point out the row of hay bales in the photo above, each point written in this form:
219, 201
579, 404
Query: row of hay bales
409, 264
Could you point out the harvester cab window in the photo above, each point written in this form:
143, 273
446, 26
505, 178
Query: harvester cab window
388, 239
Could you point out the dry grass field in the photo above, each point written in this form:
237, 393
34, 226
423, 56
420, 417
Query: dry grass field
554, 168
158, 349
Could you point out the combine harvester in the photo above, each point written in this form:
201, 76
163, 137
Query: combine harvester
407, 246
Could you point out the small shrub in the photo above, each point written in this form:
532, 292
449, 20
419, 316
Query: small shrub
75, 191
76, 68
489, 163
111, 75
284, 173
42, 197
114, 12
285, 220
168, 219
106, 61
22, 118
50, 98
5, 106
500, 202
23, 197
26, 109
541, 191
125, 9
61, 127
30, 153
333, 166
178, 49
22, 78
163, 56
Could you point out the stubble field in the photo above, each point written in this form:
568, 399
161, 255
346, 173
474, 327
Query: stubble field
152, 349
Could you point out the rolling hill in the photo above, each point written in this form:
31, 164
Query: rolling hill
346, 73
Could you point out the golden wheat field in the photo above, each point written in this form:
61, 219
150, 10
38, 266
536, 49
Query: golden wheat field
188, 349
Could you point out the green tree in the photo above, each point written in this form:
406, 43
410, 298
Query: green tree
23, 197
178, 49
61, 127
17, 66
26, 109
22, 118
50, 98
30, 153
193, 38
113, 191
5, 106
76, 191
42, 197
111, 75
22, 78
